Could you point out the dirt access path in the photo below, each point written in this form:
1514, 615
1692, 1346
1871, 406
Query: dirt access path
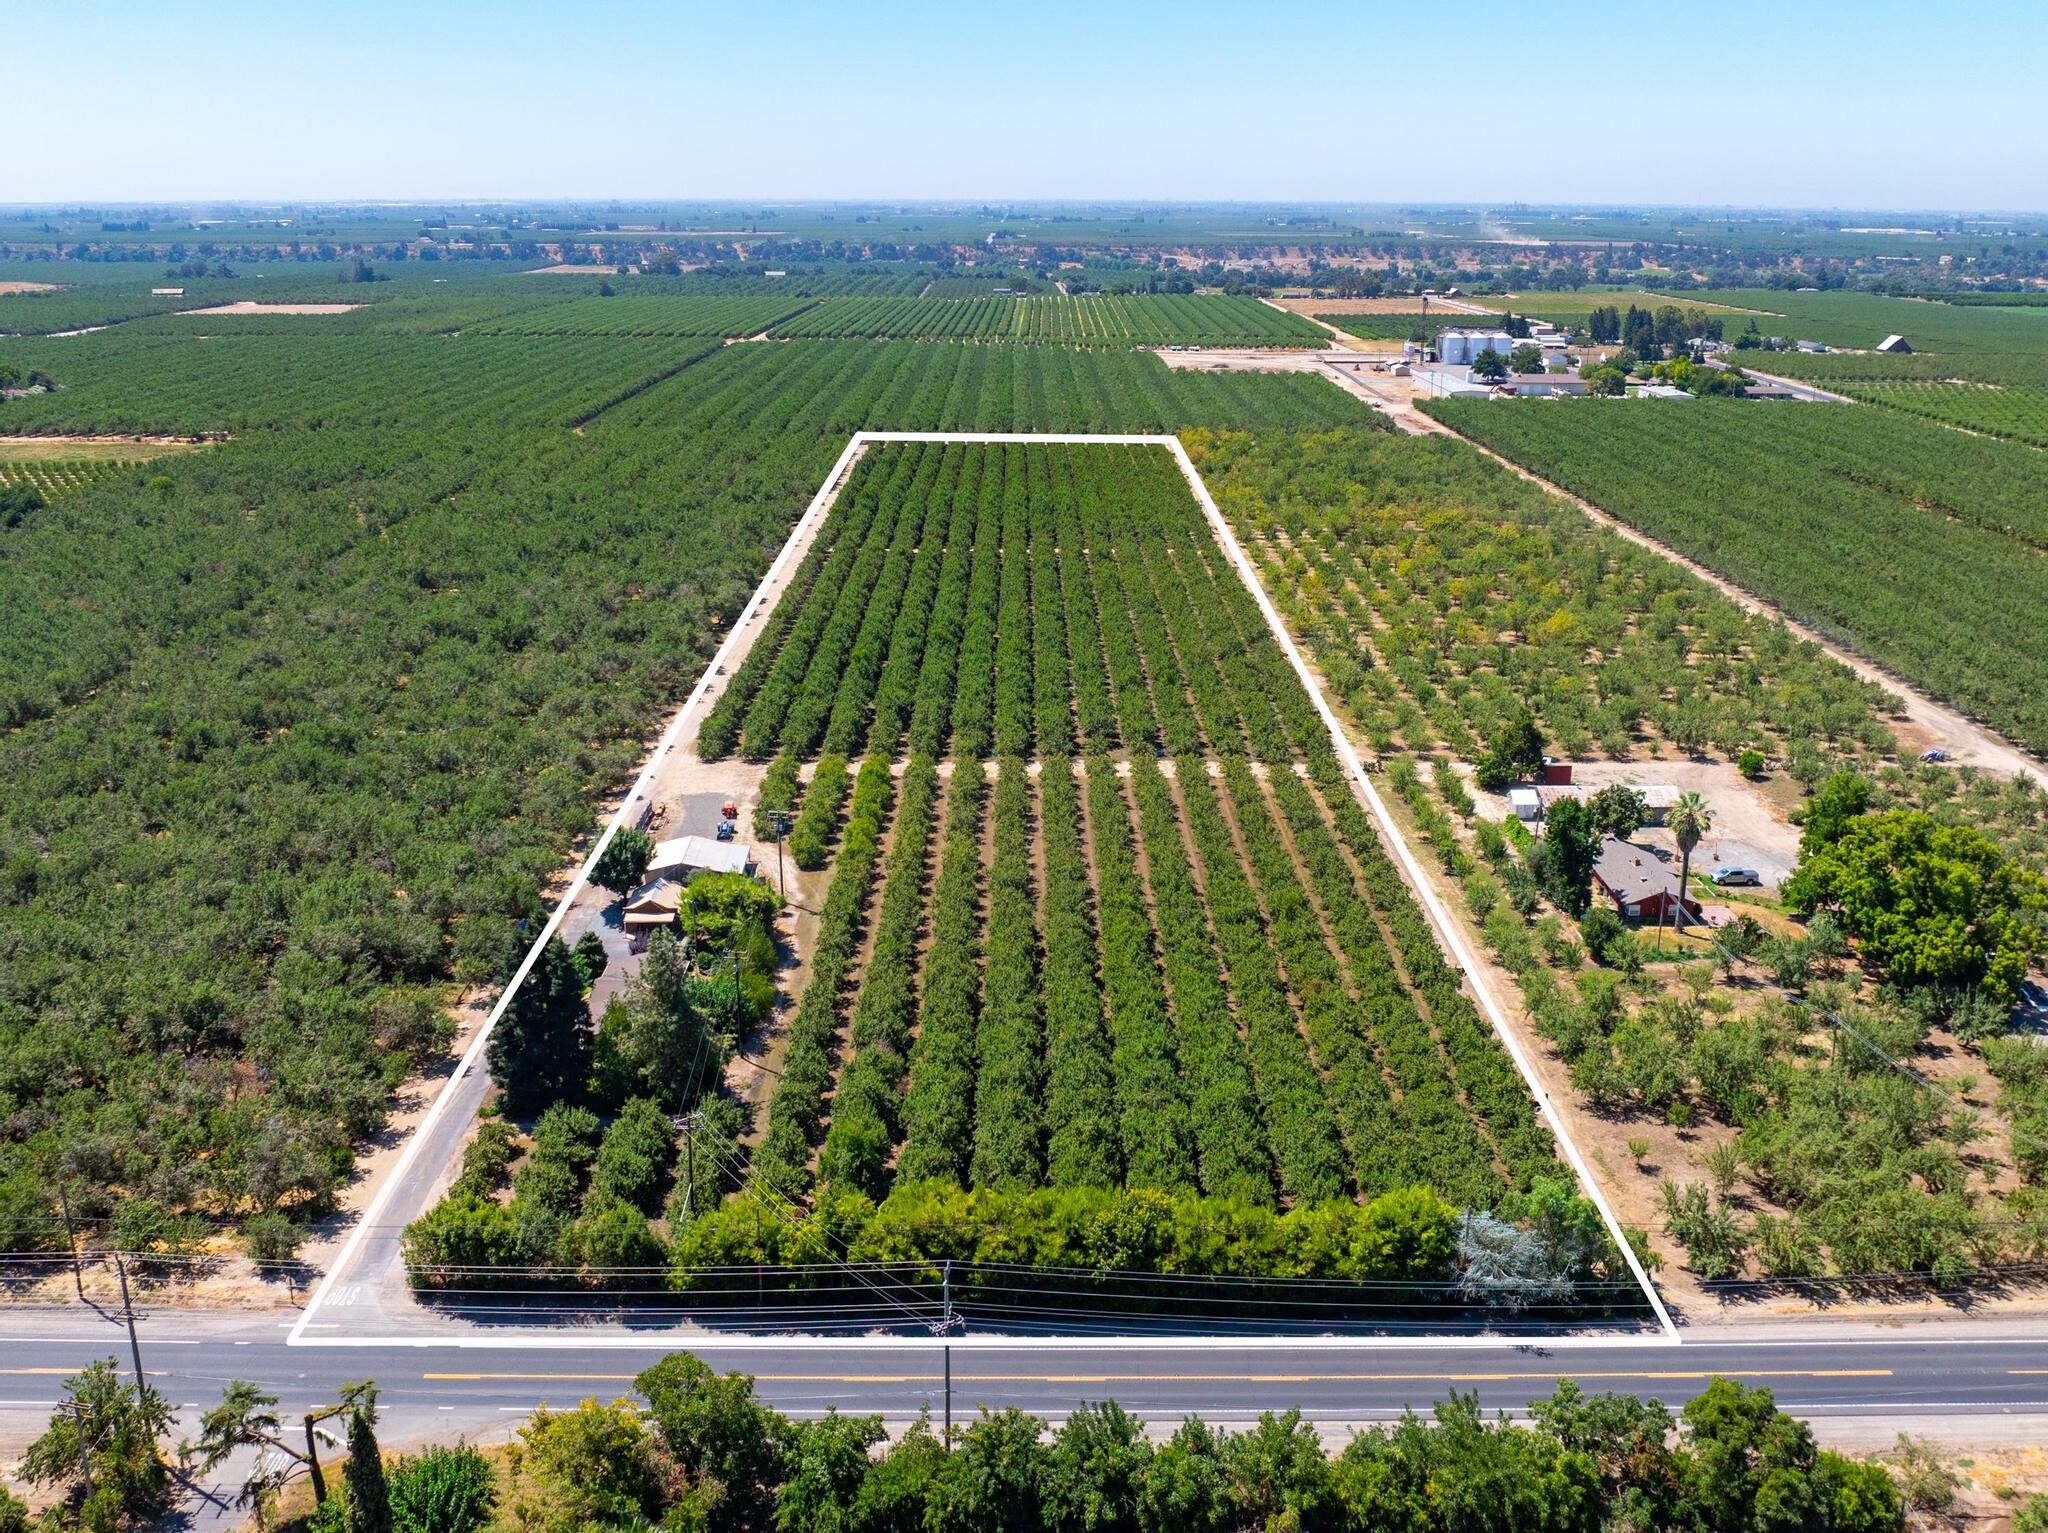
89, 449
1928, 723
251, 306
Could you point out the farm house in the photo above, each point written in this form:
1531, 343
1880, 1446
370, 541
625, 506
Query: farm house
1638, 883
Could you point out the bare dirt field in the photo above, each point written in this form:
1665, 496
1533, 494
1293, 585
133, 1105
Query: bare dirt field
1314, 306
564, 269
73, 449
251, 306
1231, 359
27, 287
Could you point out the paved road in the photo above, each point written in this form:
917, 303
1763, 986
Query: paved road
1803, 392
1967, 1384
473, 1382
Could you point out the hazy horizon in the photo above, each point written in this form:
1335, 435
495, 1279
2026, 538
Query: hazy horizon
1825, 107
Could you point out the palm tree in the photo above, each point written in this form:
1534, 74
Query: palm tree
1689, 821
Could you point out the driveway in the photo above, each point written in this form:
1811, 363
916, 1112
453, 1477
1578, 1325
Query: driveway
1749, 830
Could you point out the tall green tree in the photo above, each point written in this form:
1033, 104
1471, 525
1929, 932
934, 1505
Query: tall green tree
1569, 847
367, 1498
120, 1428
1688, 820
1096, 1470
444, 1490
1834, 804
540, 1050
995, 1480
622, 865
247, 1418
659, 1037
1930, 904
1186, 1487
1516, 751
828, 1471
719, 1435
1617, 810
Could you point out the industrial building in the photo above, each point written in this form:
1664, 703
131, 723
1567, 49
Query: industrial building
1462, 347
1449, 383
1546, 385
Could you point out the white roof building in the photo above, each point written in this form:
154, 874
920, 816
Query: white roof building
699, 854
1894, 343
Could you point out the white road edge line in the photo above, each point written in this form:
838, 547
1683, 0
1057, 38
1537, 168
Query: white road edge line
727, 1341
1447, 931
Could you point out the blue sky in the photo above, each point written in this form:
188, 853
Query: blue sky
1872, 104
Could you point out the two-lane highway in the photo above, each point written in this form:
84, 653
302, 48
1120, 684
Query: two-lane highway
471, 1382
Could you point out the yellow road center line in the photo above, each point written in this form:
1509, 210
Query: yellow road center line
1211, 1378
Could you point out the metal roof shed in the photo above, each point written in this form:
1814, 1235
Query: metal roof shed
699, 854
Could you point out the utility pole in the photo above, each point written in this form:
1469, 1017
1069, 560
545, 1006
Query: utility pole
71, 1240
84, 1450
778, 820
687, 1125
947, 1351
128, 1314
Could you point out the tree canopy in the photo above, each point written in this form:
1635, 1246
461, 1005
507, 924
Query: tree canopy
1928, 904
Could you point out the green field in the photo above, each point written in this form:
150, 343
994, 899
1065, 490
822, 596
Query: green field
1101, 1004
1566, 307
1092, 320
309, 717
1915, 544
1982, 368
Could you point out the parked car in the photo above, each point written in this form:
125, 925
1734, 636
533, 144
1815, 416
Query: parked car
1937, 754
1729, 877
2033, 996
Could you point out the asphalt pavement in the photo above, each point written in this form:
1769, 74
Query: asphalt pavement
482, 1384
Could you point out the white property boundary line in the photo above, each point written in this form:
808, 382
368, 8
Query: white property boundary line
1447, 929
1439, 917
627, 806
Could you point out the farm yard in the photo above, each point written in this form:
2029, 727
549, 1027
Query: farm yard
1736, 1082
